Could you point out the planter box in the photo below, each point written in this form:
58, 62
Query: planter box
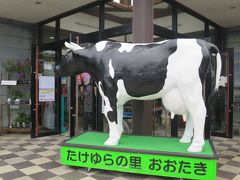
16, 130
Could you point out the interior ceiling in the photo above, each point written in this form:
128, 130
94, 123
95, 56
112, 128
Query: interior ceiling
224, 12
33, 11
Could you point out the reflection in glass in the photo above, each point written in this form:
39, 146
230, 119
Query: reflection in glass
190, 26
212, 34
48, 32
46, 121
219, 102
161, 119
163, 15
124, 38
117, 15
83, 22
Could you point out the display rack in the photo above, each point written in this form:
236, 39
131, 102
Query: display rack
10, 106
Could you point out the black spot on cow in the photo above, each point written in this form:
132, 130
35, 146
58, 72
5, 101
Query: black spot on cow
143, 68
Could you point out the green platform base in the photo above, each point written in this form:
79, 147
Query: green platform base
159, 156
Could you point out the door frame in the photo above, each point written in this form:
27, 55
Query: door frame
230, 86
34, 91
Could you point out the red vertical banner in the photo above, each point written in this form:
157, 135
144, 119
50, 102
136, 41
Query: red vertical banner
79, 79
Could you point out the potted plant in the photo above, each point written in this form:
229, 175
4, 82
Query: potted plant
18, 97
22, 69
10, 67
22, 120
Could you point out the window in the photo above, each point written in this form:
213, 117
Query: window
190, 26
48, 32
163, 15
80, 23
117, 15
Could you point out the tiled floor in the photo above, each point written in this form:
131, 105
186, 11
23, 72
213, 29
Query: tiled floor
22, 158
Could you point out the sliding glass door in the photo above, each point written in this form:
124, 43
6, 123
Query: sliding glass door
45, 119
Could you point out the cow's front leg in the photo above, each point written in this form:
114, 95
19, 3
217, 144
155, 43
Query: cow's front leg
110, 112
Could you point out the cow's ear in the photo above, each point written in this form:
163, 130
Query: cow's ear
73, 46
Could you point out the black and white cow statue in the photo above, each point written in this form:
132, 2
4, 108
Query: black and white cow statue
173, 70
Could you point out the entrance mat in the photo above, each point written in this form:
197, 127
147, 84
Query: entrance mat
161, 156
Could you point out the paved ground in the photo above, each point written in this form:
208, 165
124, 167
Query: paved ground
22, 158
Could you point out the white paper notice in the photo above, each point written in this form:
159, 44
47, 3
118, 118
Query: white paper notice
46, 88
46, 82
8, 83
46, 95
48, 65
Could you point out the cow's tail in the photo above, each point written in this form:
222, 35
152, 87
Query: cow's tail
215, 51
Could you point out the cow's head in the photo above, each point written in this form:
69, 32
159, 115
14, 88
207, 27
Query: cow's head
76, 61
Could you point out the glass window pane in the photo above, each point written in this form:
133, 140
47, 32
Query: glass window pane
163, 15
161, 119
123, 38
212, 34
80, 23
190, 26
158, 38
47, 121
48, 32
117, 16
219, 102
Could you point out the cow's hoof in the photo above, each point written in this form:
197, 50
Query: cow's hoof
111, 142
185, 140
195, 148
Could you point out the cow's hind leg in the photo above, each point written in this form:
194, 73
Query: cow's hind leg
197, 114
188, 131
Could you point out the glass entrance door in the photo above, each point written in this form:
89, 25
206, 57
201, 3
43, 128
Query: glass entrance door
45, 119
221, 116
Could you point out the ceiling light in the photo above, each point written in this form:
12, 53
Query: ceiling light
51, 37
38, 2
232, 7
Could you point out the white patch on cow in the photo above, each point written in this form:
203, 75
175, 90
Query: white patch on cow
126, 47
111, 70
100, 45
107, 106
122, 95
129, 46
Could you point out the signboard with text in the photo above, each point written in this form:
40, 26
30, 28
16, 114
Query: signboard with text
46, 88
